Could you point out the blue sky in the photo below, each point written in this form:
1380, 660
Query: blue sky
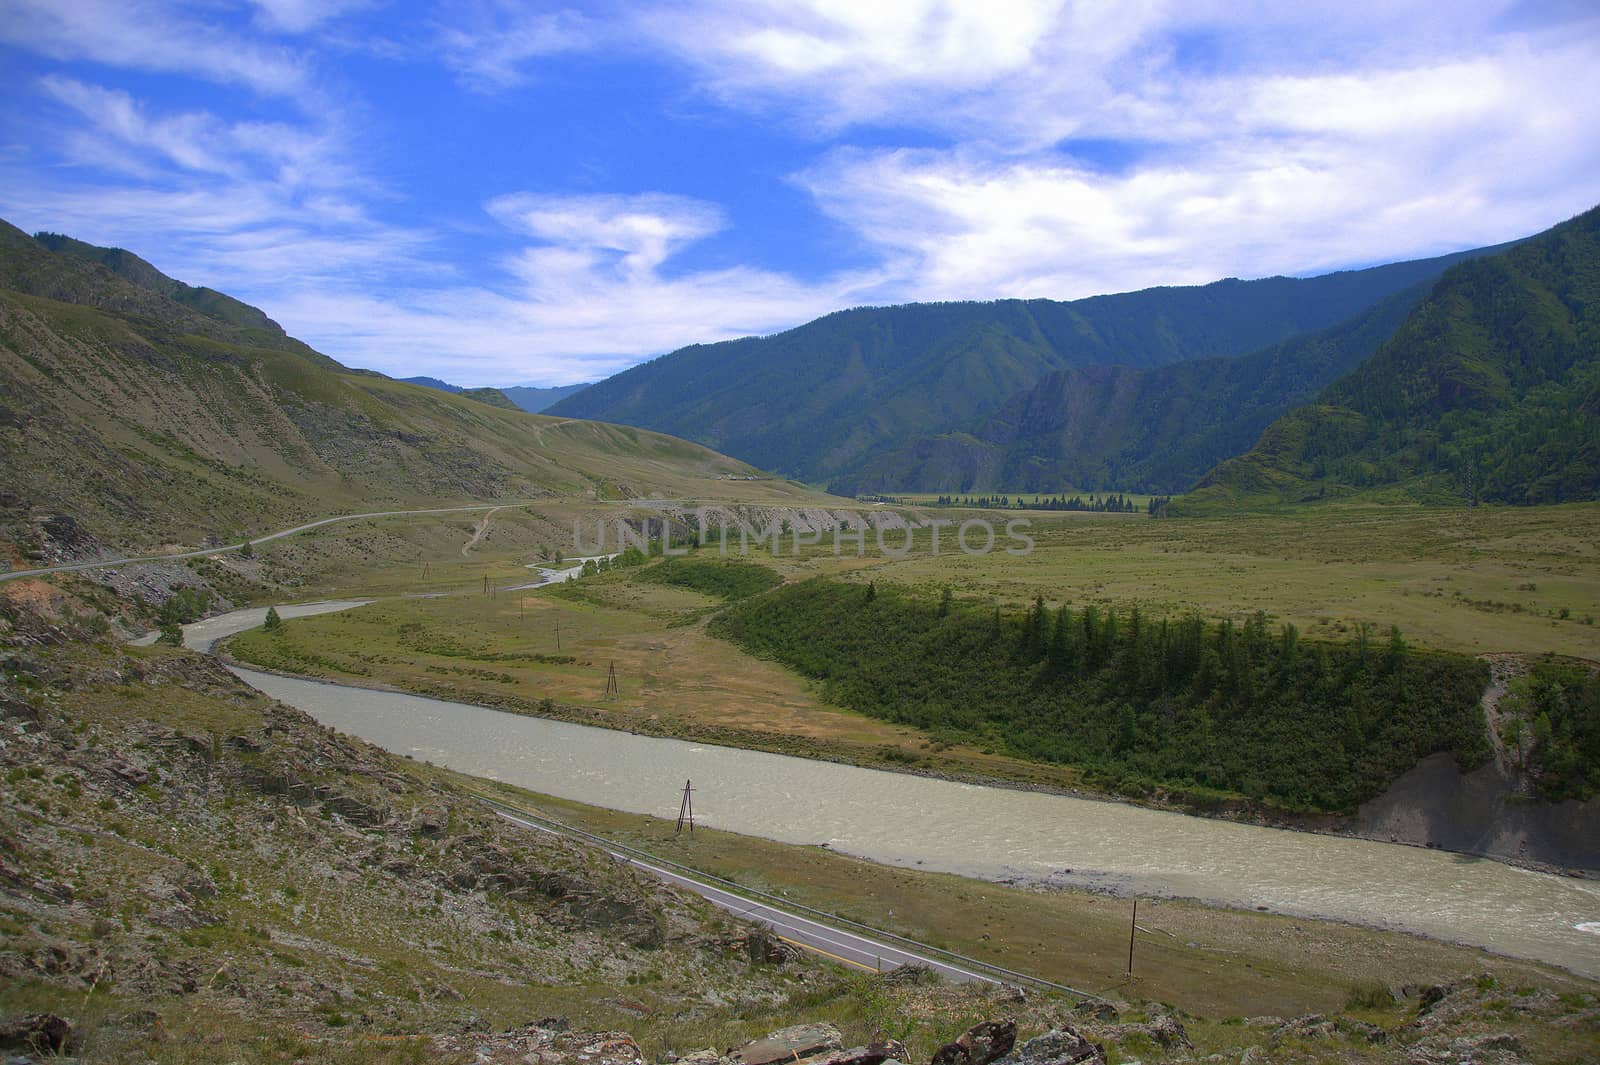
501, 193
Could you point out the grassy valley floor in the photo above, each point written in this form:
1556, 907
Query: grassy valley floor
1491, 579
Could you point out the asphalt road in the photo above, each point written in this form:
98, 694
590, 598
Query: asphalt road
852, 950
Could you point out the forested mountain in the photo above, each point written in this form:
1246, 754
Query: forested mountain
151, 412
1101, 428
1489, 391
824, 400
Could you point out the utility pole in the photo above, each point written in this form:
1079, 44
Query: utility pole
686, 809
558, 634
613, 688
1132, 926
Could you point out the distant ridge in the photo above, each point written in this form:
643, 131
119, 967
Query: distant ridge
530, 398
1101, 428
535, 400
828, 400
492, 396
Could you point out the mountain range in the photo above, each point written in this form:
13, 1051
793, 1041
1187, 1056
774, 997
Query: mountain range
983, 395
154, 410
1109, 427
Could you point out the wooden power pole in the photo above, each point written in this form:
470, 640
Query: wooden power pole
613, 688
686, 808
1132, 926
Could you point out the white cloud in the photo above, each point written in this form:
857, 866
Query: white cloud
589, 300
1061, 148
640, 231
148, 36
238, 205
490, 50
1295, 174
1033, 71
299, 16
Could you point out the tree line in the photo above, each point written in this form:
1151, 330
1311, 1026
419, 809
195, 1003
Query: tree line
1115, 503
1188, 706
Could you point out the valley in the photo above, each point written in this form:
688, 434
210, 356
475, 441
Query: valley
991, 751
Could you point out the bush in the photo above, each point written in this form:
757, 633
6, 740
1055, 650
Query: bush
724, 578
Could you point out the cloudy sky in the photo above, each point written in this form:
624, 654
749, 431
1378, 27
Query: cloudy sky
501, 193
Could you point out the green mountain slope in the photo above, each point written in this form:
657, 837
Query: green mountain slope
1116, 427
823, 400
1489, 391
153, 412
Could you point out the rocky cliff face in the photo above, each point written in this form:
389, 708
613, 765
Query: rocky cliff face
1483, 812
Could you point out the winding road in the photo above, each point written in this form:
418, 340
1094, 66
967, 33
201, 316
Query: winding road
819, 937
308, 526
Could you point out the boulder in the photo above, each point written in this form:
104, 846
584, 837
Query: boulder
1494, 1048
909, 976
1059, 1046
872, 1054
42, 1033
1311, 1026
1165, 1031
1098, 1010
979, 1045
763, 947
790, 1044
701, 1057
18, 709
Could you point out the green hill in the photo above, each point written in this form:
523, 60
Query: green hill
154, 412
1490, 391
1101, 428
823, 401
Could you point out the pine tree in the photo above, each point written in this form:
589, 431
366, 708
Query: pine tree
1036, 638
1063, 643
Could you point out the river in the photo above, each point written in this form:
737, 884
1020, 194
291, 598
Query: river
993, 833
